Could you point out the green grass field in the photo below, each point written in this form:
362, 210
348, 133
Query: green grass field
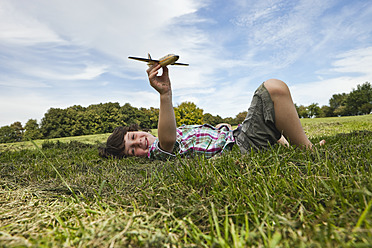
65, 195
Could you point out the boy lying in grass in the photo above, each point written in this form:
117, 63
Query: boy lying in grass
271, 119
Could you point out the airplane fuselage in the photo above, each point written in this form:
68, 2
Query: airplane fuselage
169, 59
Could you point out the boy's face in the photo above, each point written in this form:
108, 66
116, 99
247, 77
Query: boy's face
137, 143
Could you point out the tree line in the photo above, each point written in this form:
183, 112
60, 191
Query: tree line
357, 102
104, 117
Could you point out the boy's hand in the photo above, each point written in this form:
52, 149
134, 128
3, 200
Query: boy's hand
160, 83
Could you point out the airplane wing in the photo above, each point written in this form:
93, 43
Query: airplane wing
144, 59
180, 64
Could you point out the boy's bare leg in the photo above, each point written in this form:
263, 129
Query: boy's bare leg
286, 117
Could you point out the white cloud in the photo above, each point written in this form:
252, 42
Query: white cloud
19, 28
355, 61
280, 32
21, 83
350, 27
88, 72
137, 99
352, 68
22, 107
114, 27
227, 101
321, 91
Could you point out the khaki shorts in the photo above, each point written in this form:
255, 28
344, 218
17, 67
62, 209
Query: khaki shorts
258, 130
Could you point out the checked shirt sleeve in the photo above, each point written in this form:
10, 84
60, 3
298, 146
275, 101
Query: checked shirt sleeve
155, 152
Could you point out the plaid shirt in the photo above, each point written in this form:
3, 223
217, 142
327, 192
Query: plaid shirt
196, 139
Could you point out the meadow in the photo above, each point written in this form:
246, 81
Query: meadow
60, 193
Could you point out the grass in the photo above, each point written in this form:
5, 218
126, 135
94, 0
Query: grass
335, 125
65, 195
88, 139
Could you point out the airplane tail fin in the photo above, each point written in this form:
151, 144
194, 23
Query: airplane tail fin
150, 63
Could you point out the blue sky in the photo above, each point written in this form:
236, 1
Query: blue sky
65, 52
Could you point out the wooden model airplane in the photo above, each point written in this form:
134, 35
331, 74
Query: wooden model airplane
169, 59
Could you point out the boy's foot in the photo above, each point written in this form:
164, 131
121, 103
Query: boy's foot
322, 142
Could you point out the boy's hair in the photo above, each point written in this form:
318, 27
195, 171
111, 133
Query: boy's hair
115, 142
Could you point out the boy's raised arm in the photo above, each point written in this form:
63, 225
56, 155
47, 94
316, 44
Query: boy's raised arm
167, 122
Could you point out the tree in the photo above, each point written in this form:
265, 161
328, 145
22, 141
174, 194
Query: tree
76, 121
18, 130
359, 99
366, 108
7, 135
337, 104
32, 130
188, 113
302, 111
110, 115
326, 111
55, 123
128, 113
211, 119
338, 100
143, 116
313, 110
12, 133
208, 118
154, 117
239, 118
148, 118
229, 120
340, 111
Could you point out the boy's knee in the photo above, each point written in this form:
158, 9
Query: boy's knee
276, 87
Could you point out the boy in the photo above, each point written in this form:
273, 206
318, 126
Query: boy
271, 117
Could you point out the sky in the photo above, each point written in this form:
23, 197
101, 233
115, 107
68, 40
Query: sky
60, 53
